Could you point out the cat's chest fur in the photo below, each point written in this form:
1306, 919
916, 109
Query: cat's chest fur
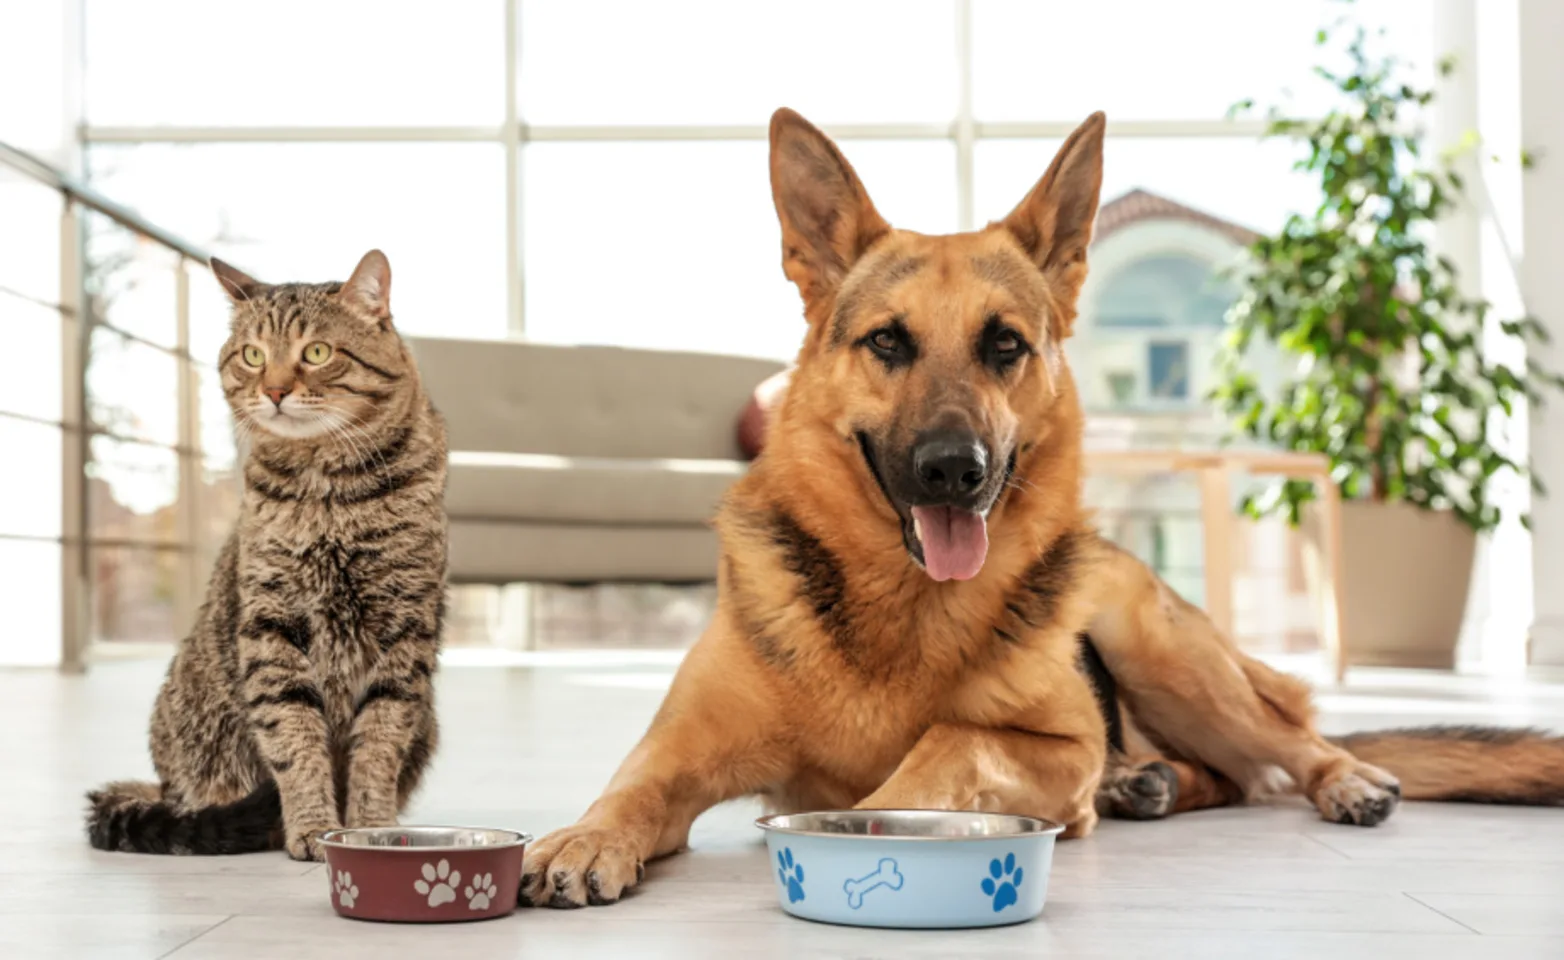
327, 580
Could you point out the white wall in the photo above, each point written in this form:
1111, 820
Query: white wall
37, 97
1541, 25
1507, 560
38, 77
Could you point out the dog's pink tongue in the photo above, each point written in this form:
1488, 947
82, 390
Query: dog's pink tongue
955, 542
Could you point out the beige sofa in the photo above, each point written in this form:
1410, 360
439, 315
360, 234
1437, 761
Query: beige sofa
586, 464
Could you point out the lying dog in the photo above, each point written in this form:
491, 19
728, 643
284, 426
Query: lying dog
907, 575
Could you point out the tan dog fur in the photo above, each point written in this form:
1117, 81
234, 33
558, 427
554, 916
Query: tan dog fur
836, 673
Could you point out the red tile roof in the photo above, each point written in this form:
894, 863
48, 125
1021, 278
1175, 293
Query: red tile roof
1139, 206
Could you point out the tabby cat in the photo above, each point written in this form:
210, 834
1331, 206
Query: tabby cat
303, 700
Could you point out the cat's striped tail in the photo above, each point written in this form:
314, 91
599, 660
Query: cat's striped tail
133, 817
1467, 764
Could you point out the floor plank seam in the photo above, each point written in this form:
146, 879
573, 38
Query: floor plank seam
1430, 906
1322, 843
165, 956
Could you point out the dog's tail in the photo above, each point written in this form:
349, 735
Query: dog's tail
1467, 764
134, 818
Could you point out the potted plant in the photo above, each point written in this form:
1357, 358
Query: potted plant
1391, 379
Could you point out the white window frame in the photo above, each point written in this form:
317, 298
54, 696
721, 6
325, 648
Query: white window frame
963, 131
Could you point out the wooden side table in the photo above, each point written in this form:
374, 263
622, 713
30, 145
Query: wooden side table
1213, 471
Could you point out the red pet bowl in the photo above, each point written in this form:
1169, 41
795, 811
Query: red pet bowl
424, 874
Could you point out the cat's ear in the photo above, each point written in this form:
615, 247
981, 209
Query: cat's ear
239, 285
369, 289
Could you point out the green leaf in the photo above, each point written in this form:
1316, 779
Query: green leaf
1388, 376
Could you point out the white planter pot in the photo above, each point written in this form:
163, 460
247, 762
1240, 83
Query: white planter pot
1405, 577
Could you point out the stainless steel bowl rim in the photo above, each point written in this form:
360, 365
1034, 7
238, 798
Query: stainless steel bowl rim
1024, 826
511, 838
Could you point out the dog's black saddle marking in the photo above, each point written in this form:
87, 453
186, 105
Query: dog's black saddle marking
1089, 662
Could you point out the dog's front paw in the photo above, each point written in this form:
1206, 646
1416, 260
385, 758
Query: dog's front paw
303, 843
917, 793
1360, 794
580, 865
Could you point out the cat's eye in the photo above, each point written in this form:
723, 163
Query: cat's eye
317, 353
253, 357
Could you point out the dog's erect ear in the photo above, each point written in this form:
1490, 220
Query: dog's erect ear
827, 218
369, 289
1054, 223
239, 285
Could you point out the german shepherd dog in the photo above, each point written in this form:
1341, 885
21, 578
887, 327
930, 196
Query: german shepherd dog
908, 578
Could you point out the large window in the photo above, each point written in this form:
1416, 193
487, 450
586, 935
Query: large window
578, 171
31, 421
594, 170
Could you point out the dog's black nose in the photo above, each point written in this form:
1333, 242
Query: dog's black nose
950, 465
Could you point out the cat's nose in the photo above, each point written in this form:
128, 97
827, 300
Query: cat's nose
276, 394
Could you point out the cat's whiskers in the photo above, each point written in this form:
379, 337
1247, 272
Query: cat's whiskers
244, 431
351, 427
335, 426
362, 444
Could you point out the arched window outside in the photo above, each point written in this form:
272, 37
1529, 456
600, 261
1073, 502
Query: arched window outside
1157, 321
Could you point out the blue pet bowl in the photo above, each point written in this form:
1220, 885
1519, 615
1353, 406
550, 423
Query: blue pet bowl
910, 868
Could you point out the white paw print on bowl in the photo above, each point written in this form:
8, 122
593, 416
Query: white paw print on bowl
347, 890
482, 892
439, 883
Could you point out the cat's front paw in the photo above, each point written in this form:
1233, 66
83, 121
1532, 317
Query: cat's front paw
367, 817
368, 822
304, 843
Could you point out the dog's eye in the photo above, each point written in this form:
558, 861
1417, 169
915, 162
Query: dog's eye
1000, 346
892, 344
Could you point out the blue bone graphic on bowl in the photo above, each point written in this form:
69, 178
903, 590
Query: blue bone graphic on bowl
886, 876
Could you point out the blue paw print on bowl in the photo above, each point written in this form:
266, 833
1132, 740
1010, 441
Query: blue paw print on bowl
1002, 880
791, 874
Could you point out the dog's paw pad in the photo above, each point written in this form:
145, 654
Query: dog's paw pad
1354, 800
1149, 793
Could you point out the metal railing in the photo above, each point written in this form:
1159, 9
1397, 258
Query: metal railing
79, 320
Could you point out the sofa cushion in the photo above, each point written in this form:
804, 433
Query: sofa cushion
587, 401
484, 552
587, 490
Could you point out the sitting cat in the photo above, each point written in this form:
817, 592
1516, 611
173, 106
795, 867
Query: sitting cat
303, 700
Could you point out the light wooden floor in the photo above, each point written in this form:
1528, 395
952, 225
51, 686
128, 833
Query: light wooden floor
529, 747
